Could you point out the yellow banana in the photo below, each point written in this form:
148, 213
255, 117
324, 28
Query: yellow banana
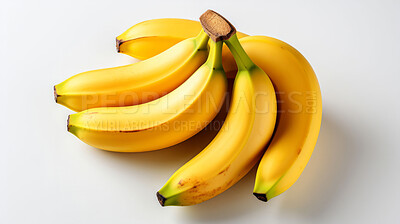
297, 91
239, 144
136, 83
164, 122
151, 37
299, 114
140, 42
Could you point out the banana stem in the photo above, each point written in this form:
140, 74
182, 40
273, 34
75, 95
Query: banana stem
214, 59
202, 40
243, 61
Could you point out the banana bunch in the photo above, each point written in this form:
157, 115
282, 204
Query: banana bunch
179, 87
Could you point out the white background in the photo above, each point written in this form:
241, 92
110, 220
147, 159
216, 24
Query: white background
48, 176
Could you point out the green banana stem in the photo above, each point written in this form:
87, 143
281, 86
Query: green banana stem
201, 40
243, 61
214, 59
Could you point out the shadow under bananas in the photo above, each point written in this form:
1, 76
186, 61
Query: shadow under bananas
326, 173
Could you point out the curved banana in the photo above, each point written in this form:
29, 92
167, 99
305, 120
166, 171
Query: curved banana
299, 114
164, 122
137, 83
296, 86
239, 144
151, 37
140, 42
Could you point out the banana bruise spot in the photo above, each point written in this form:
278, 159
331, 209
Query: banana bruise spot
299, 151
223, 171
195, 183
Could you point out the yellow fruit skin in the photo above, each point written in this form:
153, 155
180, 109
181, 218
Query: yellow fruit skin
151, 37
161, 123
140, 42
137, 83
298, 94
237, 147
299, 114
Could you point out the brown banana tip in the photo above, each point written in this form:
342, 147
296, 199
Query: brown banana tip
55, 94
216, 26
161, 199
68, 122
118, 44
261, 197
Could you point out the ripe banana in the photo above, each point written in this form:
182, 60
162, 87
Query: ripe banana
239, 144
136, 83
140, 42
164, 122
298, 95
151, 37
299, 114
